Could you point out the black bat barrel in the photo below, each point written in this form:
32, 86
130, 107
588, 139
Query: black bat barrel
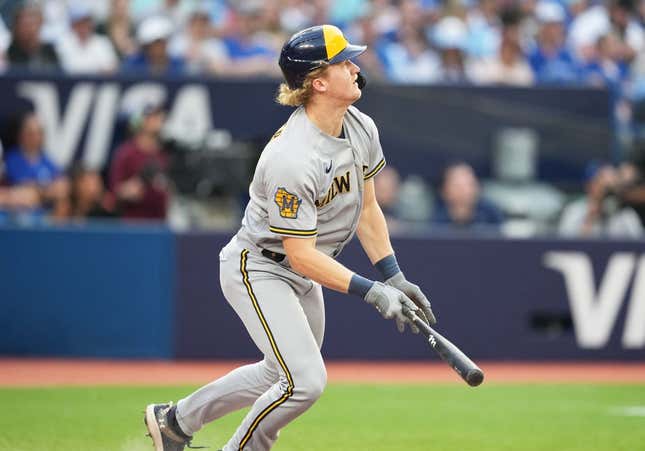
451, 354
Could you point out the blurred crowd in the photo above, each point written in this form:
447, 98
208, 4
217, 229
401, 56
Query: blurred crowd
525, 42
511, 42
34, 190
612, 204
138, 187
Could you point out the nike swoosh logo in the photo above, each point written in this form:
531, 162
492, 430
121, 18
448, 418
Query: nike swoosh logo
327, 169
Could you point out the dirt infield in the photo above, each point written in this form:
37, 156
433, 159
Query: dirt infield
56, 372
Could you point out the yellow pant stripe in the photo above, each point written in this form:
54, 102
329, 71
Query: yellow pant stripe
274, 346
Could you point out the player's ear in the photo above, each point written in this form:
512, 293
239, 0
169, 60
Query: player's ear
319, 84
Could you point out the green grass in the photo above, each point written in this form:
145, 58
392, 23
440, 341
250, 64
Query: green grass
348, 417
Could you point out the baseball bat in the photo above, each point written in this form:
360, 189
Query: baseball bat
451, 354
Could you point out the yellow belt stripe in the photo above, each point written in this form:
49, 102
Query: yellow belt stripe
274, 346
375, 170
313, 232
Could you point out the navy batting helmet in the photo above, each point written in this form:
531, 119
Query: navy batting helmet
312, 48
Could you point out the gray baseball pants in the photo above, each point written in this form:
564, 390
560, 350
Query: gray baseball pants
284, 314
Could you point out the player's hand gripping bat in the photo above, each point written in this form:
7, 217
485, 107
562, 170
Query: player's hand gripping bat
450, 353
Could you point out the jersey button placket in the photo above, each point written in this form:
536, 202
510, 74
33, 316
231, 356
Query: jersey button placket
360, 184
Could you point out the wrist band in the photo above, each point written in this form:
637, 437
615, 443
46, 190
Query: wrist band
388, 266
359, 285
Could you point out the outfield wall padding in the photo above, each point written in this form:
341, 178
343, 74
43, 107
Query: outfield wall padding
145, 292
99, 292
496, 298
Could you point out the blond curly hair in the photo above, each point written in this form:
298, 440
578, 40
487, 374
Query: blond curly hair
299, 96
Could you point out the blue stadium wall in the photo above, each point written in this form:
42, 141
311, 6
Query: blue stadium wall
148, 293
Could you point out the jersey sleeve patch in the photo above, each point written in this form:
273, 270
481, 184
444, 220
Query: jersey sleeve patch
288, 203
373, 172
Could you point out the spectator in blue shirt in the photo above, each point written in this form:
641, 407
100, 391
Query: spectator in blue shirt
606, 69
410, 59
27, 166
153, 58
249, 46
551, 61
460, 204
15, 198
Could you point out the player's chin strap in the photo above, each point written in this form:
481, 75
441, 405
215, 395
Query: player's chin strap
361, 81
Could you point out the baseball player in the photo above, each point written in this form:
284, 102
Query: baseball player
313, 189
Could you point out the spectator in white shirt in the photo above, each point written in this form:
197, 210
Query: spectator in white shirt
618, 16
450, 36
509, 66
82, 51
202, 53
5, 39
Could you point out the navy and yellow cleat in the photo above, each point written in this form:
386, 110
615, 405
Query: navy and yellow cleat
164, 436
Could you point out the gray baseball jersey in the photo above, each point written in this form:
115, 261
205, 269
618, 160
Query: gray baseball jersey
308, 183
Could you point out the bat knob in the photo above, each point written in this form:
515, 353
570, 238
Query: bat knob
475, 377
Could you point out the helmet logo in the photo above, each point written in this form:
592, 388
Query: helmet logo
335, 42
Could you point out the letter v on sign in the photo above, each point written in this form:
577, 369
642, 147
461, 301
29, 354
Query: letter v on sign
634, 333
594, 313
63, 128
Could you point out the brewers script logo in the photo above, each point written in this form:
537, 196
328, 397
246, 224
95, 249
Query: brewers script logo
287, 203
340, 185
